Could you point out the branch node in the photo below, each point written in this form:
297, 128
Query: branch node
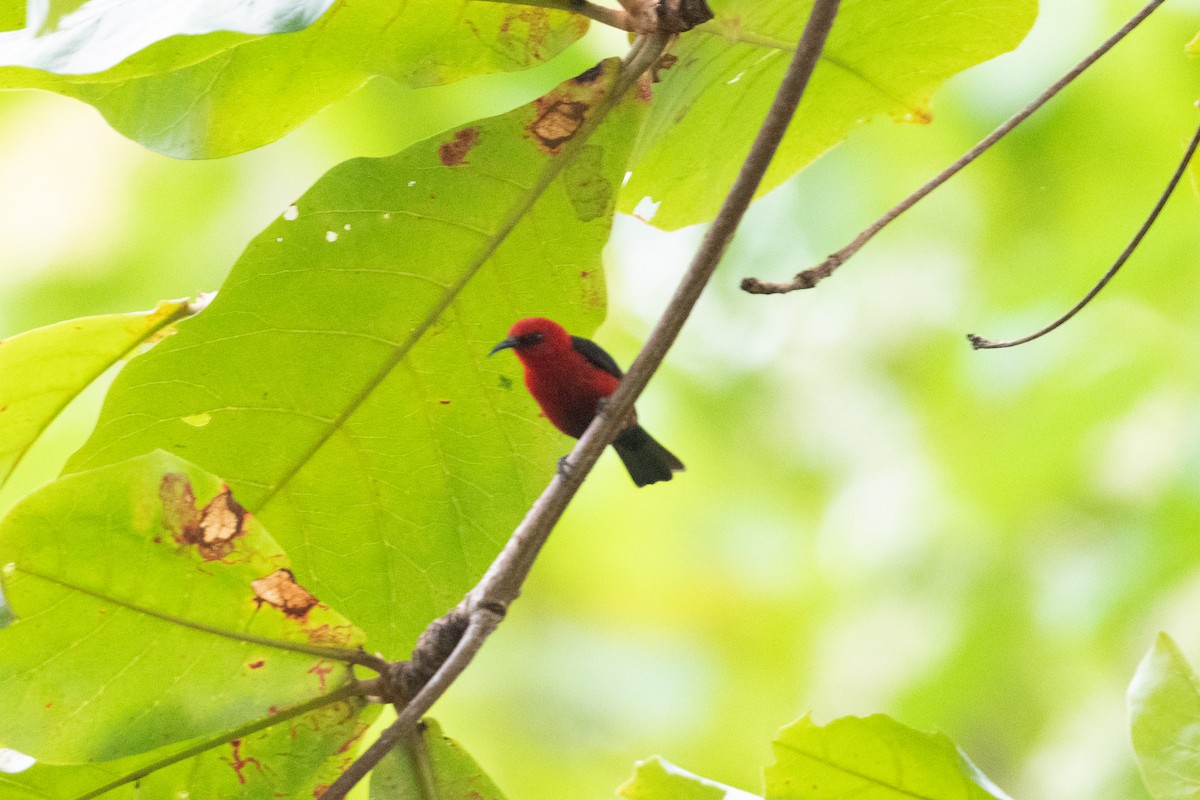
434, 646
802, 280
678, 16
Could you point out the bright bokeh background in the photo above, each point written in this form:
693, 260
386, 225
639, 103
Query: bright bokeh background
874, 517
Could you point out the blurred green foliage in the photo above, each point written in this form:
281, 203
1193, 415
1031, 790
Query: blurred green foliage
874, 518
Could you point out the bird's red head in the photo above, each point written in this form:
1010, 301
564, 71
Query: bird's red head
533, 337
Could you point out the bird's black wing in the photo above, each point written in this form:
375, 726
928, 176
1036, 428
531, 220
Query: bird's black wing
595, 354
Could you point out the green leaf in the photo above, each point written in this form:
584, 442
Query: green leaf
884, 57
1164, 711
296, 758
45, 369
202, 82
340, 381
12, 16
432, 765
143, 620
871, 758
658, 779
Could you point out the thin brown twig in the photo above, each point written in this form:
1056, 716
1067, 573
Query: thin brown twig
814, 275
480, 627
485, 616
500, 586
980, 343
502, 583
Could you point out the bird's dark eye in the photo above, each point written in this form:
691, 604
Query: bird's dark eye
530, 339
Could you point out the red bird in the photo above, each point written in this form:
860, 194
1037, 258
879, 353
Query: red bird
569, 376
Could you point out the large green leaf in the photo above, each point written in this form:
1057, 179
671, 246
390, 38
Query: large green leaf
144, 620
340, 381
196, 81
433, 765
883, 57
871, 758
44, 369
658, 779
1164, 711
296, 758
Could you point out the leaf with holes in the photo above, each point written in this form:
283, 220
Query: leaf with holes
205, 80
1164, 709
143, 580
45, 369
883, 57
340, 380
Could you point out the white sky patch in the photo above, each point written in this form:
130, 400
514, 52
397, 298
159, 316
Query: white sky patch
13, 762
74, 188
291, 213
646, 209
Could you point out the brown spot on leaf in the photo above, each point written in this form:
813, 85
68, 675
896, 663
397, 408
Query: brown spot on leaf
179, 506
257, 664
279, 589
444, 402
213, 529
558, 121
335, 635
238, 763
220, 523
320, 790
454, 152
321, 669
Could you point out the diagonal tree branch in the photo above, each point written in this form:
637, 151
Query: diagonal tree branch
980, 343
486, 604
814, 275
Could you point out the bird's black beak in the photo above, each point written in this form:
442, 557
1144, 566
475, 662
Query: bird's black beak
506, 344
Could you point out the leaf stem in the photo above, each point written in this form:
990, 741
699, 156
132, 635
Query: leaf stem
344, 693
980, 343
814, 275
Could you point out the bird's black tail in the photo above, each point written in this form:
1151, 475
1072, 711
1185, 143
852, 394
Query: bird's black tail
647, 460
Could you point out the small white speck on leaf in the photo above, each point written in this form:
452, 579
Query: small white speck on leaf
412, 183
387, 215
279, 238
346, 227
625, 180
292, 212
735, 78
331, 236
197, 420
10, 568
